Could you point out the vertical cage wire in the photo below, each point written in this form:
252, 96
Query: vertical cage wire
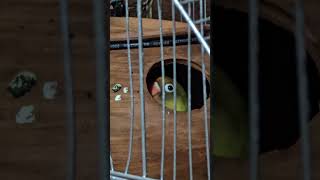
102, 89
205, 109
253, 89
68, 81
141, 83
111, 163
132, 115
163, 132
189, 98
174, 90
302, 88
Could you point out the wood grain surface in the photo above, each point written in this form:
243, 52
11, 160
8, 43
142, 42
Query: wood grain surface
120, 120
151, 28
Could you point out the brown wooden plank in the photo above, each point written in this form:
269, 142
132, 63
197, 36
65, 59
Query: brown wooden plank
151, 28
120, 126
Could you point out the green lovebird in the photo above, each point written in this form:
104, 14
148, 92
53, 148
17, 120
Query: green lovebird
156, 92
230, 131
230, 123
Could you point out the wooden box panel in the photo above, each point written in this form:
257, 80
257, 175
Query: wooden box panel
120, 119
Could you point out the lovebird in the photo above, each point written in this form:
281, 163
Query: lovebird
182, 100
230, 131
230, 124
278, 122
279, 126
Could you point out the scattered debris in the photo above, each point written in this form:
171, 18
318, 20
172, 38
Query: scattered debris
49, 90
22, 83
116, 87
25, 115
125, 90
118, 97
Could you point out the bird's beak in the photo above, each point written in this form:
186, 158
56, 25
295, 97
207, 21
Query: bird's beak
155, 89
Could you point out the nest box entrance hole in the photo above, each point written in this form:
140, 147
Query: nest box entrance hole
278, 95
182, 78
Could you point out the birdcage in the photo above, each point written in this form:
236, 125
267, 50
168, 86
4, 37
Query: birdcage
146, 136
148, 140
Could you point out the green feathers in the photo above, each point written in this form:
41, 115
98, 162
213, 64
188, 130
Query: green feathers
230, 123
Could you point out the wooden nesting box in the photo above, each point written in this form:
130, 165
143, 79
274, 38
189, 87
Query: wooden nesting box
120, 110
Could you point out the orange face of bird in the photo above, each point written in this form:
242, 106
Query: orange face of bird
155, 89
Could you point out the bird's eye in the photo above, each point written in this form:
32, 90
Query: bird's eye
168, 88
